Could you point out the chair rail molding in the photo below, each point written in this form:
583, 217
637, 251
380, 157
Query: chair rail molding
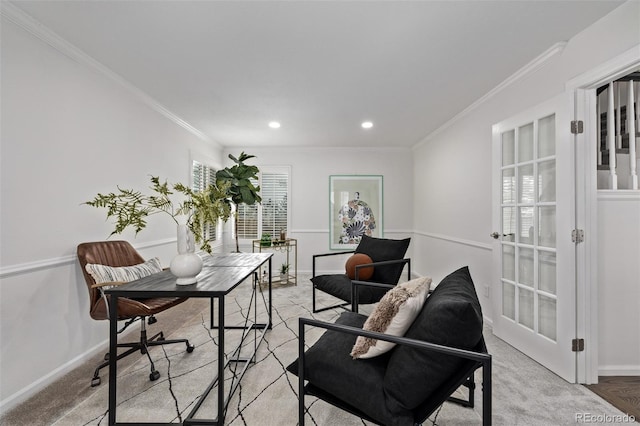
326, 231
624, 195
456, 240
29, 267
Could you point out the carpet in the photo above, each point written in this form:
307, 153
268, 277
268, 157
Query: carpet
524, 393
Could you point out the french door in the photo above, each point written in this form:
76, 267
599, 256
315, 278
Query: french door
534, 284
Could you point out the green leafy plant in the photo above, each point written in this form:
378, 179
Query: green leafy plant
240, 190
132, 208
265, 241
284, 269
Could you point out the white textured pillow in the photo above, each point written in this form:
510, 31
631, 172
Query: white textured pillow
106, 274
393, 315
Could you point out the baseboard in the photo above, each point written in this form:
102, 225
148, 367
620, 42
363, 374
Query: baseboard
28, 391
487, 321
619, 370
32, 389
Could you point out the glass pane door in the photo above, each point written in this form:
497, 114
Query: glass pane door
533, 290
529, 226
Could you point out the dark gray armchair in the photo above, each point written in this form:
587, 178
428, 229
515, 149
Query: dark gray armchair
388, 262
439, 353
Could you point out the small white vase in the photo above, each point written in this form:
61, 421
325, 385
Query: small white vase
187, 264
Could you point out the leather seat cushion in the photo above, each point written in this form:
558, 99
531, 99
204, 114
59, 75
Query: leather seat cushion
358, 383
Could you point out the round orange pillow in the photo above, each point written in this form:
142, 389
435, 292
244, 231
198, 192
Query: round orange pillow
359, 259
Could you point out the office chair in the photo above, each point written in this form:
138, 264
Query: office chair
121, 256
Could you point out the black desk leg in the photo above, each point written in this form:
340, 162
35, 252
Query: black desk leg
269, 326
221, 403
113, 356
211, 316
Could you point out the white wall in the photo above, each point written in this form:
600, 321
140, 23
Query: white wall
619, 283
452, 168
68, 132
310, 171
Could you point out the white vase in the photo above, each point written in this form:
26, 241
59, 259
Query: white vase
187, 264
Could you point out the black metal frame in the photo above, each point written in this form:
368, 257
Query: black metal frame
482, 360
354, 291
218, 381
313, 274
223, 403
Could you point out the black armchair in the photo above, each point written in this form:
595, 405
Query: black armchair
388, 263
439, 353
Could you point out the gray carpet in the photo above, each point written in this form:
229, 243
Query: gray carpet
524, 393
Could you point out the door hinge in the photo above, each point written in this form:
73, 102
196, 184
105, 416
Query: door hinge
577, 236
577, 127
577, 345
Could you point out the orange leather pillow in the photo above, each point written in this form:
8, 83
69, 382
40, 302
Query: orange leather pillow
359, 259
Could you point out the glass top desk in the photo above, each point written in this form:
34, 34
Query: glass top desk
221, 273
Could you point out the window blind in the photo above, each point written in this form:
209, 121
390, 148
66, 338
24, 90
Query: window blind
272, 215
274, 192
248, 219
203, 175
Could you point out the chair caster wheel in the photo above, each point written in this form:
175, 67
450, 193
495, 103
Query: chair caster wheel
155, 375
95, 382
190, 348
106, 356
152, 320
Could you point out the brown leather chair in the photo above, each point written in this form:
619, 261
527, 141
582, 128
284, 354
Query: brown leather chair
117, 254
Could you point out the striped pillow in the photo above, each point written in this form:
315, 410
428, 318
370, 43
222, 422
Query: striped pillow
106, 274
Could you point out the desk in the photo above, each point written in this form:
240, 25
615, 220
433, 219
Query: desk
220, 275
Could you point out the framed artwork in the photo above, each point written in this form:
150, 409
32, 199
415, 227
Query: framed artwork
355, 209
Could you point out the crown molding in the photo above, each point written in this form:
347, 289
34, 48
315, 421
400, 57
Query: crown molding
17, 16
531, 67
613, 69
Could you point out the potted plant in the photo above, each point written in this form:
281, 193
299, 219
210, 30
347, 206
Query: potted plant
196, 210
265, 241
240, 188
284, 271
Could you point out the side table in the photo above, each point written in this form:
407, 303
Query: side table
289, 249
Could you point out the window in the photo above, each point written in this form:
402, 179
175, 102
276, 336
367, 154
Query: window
274, 191
248, 219
272, 215
203, 175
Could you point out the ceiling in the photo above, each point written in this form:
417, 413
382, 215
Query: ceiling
320, 68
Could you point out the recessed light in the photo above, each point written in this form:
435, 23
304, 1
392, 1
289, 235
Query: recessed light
274, 125
367, 125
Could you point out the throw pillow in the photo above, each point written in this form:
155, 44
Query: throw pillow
393, 315
359, 259
106, 274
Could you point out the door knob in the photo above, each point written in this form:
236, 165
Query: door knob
495, 235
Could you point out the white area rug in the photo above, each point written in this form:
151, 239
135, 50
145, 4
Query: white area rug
524, 393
